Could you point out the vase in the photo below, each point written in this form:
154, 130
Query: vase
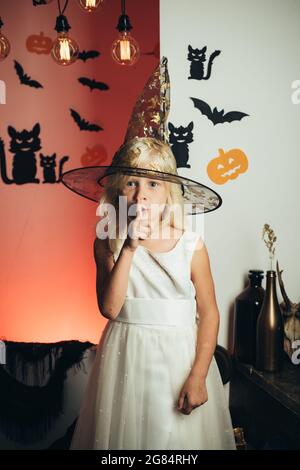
247, 306
270, 332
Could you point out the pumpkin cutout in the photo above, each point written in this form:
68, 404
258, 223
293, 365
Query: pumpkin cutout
39, 44
227, 166
94, 156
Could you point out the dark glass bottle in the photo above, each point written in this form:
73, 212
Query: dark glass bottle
246, 310
270, 333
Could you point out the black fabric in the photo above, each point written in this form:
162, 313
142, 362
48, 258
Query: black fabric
32, 382
32, 385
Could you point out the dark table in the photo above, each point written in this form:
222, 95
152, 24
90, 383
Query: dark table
267, 405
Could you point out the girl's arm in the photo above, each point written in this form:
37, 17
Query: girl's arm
193, 392
112, 277
209, 317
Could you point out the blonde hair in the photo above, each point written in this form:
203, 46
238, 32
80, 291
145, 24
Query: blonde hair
136, 153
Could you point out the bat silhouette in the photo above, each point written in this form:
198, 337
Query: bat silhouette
93, 84
39, 2
215, 116
83, 124
85, 55
25, 79
155, 51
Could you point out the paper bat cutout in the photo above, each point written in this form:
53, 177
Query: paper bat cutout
215, 116
155, 51
39, 2
83, 124
85, 55
25, 79
93, 84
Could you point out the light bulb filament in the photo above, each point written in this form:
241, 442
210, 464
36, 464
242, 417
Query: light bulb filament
64, 50
125, 49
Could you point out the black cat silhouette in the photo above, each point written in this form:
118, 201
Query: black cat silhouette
197, 58
23, 145
48, 163
179, 139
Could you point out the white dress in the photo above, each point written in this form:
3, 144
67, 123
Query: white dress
142, 361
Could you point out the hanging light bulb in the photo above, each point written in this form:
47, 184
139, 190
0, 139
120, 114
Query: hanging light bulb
64, 50
125, 49
90, 5
4, 44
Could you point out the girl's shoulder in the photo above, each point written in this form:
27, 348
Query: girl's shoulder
193, 240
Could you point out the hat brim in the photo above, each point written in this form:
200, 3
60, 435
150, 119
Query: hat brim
89, 182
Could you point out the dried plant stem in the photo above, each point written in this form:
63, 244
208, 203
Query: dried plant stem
269, 241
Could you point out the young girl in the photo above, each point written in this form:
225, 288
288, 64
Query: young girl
155, 383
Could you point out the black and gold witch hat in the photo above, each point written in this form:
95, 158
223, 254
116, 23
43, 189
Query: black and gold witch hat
148, 119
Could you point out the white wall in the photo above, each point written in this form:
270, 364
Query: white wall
259, 60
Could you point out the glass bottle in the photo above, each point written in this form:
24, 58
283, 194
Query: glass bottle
270, 333
246, 310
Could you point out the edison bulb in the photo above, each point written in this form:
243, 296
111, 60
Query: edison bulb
4, 47
64, 50
90, 5
125, 49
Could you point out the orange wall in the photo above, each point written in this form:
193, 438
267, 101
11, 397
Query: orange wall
47, 290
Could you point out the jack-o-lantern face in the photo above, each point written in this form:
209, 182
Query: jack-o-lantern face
39, 44
227, 166
94, 156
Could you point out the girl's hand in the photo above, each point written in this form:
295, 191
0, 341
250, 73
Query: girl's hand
192, 394
139, 228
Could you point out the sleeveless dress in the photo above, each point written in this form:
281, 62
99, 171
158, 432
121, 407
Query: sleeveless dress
142, 360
